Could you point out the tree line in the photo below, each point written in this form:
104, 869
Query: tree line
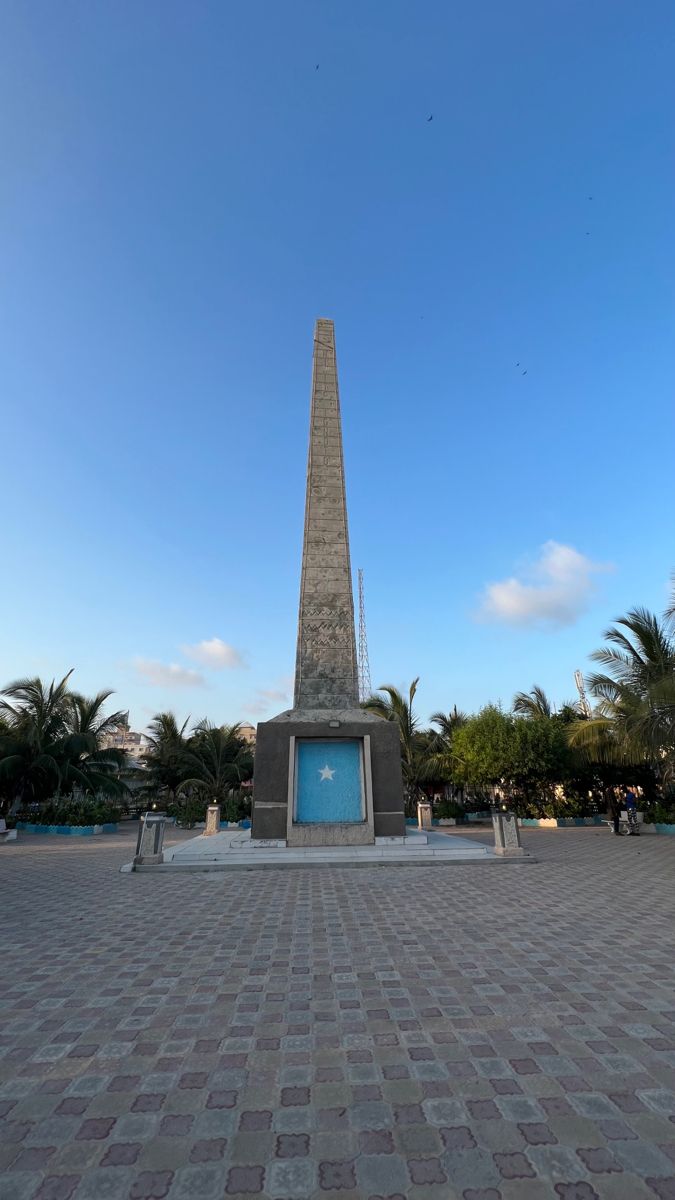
555, 762
545, 761
54, 750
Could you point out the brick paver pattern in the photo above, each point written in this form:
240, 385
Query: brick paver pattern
483, 1032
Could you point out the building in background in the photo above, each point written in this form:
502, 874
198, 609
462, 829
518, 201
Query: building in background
123, 738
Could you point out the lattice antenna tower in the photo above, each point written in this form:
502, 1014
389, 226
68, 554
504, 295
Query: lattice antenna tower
365, 686
583, 698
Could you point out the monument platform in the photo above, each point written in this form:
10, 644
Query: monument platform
237, 850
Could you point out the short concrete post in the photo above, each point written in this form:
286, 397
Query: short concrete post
150, 838
212, 820
423, 814
507, 834
6, 835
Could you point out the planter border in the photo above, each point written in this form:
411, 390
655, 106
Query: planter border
559, 822
664, 830
67, 830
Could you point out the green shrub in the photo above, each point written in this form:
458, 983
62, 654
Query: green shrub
443, 809
76, 809
237, 805
544, 806
188, 810
660, 814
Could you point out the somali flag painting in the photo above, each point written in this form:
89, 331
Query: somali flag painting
329, 781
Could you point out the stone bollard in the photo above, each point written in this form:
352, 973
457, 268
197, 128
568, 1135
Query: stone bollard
507, 834
212, 820
150, 838
423, 814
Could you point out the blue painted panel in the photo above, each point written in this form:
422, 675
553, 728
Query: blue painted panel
328, 781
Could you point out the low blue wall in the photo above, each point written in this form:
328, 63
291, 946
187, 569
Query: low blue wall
561, 822
66, 830
570, 822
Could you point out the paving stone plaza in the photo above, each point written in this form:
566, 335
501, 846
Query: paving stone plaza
489, 1032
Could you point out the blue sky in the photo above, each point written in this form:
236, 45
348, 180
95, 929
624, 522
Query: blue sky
183, 193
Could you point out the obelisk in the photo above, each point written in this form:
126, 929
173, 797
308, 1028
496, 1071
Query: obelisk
326, 773
326, 673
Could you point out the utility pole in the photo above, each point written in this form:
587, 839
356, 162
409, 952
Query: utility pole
365, 686
583, 698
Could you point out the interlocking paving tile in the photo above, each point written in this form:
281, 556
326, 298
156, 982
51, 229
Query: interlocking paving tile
500, 1033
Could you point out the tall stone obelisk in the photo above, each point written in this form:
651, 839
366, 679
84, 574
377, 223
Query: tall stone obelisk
326, 673
326, 772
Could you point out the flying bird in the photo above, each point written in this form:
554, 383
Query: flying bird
517, 364
523, 372
316, 67
430, 118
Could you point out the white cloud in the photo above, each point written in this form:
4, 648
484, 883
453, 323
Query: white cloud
168, 675
214, 653
553, 591
266, 698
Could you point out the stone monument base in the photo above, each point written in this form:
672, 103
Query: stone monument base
327, 779
235, 849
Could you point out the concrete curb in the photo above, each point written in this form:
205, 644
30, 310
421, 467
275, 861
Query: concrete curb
378, 864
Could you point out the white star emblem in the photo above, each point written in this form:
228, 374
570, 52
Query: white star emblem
326, 772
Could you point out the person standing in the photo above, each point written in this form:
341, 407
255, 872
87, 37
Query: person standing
614, 807
631, 812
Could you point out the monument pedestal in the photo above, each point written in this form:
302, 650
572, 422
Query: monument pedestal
328, 780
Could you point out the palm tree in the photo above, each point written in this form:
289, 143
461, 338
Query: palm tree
449, 723
669, 614
87, 764
532, 704
441, 759
217, 759
395, 706
165, 759
51, 742
29, 767
634, 719
35, 717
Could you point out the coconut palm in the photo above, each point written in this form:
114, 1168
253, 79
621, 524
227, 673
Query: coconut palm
36, 717
216, 760
536, 705
51, 742
532, 704
634, 718
394, 706
441, 762
165, 759
449, 723
86, 763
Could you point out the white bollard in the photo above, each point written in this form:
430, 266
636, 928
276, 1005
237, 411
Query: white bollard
212, 820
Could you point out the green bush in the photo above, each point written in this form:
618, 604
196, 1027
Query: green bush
76, 809
237, 806
660, 814
553, 806
445, 808
188, 810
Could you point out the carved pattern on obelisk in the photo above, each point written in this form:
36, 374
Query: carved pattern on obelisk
326, 670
